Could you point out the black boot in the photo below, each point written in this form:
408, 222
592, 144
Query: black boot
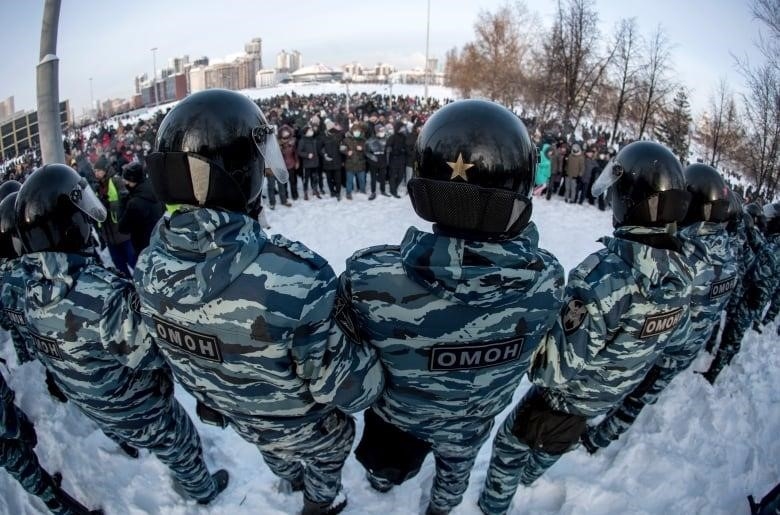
54, 390
128, 449
435, 511
337, 505
372, 196
64, 503
221, 479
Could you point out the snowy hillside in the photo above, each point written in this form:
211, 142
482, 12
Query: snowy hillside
700, 450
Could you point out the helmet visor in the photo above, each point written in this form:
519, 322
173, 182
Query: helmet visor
609, 176
268, 146
85, 199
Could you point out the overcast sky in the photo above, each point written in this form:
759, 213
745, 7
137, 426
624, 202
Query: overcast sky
110, 41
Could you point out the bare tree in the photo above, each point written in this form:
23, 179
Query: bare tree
575, 66
655, 85
625, 67
768, 12
493, 63
719, 130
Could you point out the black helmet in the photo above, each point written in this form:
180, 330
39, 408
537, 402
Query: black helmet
55, 210
710, 198
133, 172
772, 214
10, 246
756, 213
474, 170
647, 186
212, 150
9, 187
735, 212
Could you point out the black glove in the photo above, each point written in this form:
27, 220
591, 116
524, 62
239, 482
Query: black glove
54, 390
26, 429
210, 416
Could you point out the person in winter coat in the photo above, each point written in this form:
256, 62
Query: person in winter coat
455, 314
355, 159
330, 150
142, 209
111, 191
575, 167
558, 169
543, 169
396, 158
623, 304
376, 155
287, 144
310, 162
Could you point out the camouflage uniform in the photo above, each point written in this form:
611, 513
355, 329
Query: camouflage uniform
80, 320
245, 322
455, 323
708, 250
623, 305
12, 286
759, 283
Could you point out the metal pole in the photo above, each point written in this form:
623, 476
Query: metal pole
154, 77
427, 46
47, 82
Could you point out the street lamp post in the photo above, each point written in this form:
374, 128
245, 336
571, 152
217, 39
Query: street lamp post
154, 77
427, 45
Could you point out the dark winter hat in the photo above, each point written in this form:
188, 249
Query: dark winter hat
133, 172
101, 163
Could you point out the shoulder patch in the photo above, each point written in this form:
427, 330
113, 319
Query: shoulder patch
589, 264
345, 318
299, 250
573, 315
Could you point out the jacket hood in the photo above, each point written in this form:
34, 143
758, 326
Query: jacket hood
144, 190
475, 273
207, 249
707, 241
52, 274
657, 267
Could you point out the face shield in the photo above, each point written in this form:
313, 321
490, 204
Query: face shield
772, 210
265, 140
85, 199
609, 176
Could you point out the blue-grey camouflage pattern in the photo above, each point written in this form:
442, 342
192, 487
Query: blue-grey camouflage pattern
11, 286
623, 305
87, 335
17, 456
707, 247
760, 282
433, 307
268, 356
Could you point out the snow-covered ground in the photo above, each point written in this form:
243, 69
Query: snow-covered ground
700, 450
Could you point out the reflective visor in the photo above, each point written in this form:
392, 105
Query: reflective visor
268, 146
609, 176
88, 202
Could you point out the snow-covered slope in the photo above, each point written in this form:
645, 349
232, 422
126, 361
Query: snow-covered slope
699, 450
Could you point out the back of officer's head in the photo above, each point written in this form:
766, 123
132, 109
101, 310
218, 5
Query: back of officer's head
473, 171
756, 213
646, 185
210, 152
9, 240
710, 197
772, 214
56, 210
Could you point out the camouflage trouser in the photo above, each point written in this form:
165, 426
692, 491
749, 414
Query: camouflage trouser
774, 307
23, 354
313, 453
172, 437
622, 416
512, 463
737, 323
19, 459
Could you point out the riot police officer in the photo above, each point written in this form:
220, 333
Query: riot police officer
623, 305
243, 318
455, 314
82, 319
706, 245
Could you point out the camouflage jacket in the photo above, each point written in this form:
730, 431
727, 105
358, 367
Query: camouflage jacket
763, 277
9, 421
709, 253
85, 332
245, 321
12, 293
623, 305
455, 322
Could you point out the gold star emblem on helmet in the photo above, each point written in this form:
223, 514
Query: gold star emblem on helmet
459, 168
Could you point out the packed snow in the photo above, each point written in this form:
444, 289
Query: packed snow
700, 449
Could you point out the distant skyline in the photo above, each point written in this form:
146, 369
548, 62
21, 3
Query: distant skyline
111, 41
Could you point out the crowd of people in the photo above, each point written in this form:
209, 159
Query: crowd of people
429, 339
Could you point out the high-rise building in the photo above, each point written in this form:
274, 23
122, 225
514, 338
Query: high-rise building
288, 61
201, 61
7, 108
140, 80
178, 63
20, 132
